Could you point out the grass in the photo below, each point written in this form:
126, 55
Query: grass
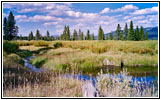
9, 47
38, 62
88, 56
140, 47
40, 43
18, 81
60, 57
68, 59
116, 87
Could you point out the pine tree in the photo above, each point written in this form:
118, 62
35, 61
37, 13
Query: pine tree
67, 33
82, 36
146, 36
10, 30
121, 35
111, 36
62, 37
118, 32
47, 36
31, 37
64, 33
5, 30
75, 35
137, 34
38, 36
107, 37
131, 34
44, 38
79, 34
101, 34
88, 35
52, 38
141, 33
21, 38
92, 36
126, 31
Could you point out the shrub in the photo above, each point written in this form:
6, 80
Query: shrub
10, 47
40, 43
58, 45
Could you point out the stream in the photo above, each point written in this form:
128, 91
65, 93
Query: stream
147, 81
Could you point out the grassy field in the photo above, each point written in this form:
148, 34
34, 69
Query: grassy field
60, 57
88, 56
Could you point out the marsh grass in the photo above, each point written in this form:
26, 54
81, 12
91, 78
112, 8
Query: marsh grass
75, 56
40, 43
58, 87
23, 43
19, 81
140, 47
114, 86
70, 59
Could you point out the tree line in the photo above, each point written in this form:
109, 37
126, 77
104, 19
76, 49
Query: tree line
10, 31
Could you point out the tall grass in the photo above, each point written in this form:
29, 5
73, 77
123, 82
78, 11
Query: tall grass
68, 59
114, 86
40, 43
19, 81
140, 47
23, 43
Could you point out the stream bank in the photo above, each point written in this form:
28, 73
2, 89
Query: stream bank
89, 86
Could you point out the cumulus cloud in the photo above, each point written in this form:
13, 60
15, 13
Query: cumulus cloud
26, 10
20, 16
146, 11
125, 8
105, 10
58, 15
50, 23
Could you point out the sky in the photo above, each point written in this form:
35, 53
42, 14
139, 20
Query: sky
54, 16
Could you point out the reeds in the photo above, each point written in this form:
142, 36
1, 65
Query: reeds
120, 85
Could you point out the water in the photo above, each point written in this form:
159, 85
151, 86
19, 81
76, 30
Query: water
140, 83
143, 80
30, 66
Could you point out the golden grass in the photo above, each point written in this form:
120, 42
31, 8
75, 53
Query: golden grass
30, 48
58, 87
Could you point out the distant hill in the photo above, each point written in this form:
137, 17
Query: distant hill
152, 32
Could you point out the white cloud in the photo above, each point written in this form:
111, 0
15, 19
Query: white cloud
127, 17
143, 21
146, 11
138, 17
20, 16
50, 23
49, 7
26, 10
105, 10
74, 14
38, 18
58, 15
125, 8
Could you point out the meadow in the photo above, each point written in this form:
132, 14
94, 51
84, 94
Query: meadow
58, 58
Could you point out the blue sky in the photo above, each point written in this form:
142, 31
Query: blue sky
53, 16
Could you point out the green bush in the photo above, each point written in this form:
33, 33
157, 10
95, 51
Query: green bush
40, 43
10, 47
58, 45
